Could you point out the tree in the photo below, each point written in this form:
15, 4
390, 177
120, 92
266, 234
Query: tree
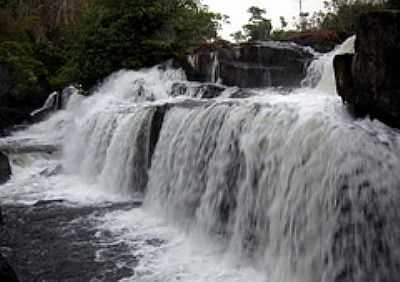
343, 16
136, 34
256, 13
283, 21
238, 36
393, 4
259, 28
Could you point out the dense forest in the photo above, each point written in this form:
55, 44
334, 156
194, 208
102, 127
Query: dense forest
67, 41
46, 44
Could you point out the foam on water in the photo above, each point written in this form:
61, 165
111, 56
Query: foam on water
268, 188
320, 73
166, 254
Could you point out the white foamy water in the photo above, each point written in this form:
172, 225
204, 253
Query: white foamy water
320, 74
268, 188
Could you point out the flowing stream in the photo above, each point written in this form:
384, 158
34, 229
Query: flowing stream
273, 187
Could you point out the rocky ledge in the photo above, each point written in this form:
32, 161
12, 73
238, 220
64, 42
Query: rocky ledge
369, 81
249, 65
5, 169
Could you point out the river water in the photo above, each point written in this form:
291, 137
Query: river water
276, 187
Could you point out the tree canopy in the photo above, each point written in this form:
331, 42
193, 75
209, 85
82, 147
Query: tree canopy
83, 41
257, 29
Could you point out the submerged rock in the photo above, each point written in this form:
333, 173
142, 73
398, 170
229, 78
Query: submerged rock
256, 64
373, 87
5, 169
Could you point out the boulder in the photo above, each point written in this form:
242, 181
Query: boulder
320, 40
50, 105
249, 65
373, 88
5, 169
344, 77
203, 90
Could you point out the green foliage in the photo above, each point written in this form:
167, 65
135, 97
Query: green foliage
283, 21
25, 69
393, 4
65, 41
238, 36
342, 16
134, 34
257, 29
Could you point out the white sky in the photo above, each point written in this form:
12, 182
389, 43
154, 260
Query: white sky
237, 10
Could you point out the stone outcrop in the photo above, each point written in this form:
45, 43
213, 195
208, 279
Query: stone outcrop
342, 65
369, 82
249, 65
5, 169
322, 41
56, 101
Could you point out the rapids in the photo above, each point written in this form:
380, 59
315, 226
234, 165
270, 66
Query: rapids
274, 187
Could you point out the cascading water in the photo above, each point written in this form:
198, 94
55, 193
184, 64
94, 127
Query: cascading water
320, 73
271, 187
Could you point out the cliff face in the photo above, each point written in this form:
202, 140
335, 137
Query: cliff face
266, 64
369, 81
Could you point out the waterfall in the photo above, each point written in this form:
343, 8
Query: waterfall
111, 134
289, 184
127, 157
215, 77
320, 73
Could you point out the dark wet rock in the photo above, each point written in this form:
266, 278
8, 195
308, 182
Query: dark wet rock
52, 104
155, 242
375, 86
26, 146
7, 274
155, 131
52, 171
179, 89
67, 93
322, 41
266, 64
343, 72
56, 101
210, 91
241, 93
203, 91
62, 243
1, 218
43, 203
5, 168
